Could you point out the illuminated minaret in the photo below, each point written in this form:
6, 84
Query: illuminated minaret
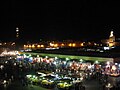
17, 40
111, 34
111, 39
17, 32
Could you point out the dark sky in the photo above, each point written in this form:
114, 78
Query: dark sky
59, 19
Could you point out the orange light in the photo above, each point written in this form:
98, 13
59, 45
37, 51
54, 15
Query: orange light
33, 46
30, 46
62, 44
70, 45
82, 44
74, 45
38, 46
42, 45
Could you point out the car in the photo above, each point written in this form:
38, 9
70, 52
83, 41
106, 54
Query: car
64, 83
40, 74
49, 81
34, 79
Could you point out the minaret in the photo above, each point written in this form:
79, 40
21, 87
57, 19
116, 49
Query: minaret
111, 39
111, 34
17, 38
17, 32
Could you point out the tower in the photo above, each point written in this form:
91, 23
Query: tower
111, 40
17, 40
17, 32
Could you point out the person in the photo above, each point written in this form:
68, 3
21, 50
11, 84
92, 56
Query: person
81, 87
22, 81
12, 77
31, 84
26, 81
76, 86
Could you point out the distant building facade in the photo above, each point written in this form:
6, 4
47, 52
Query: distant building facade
111, 41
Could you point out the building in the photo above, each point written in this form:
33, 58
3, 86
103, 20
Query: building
111, 40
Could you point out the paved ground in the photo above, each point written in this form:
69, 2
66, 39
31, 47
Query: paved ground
92, 85
89, 85
18, 86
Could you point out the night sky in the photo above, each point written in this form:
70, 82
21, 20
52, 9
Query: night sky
59, 19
